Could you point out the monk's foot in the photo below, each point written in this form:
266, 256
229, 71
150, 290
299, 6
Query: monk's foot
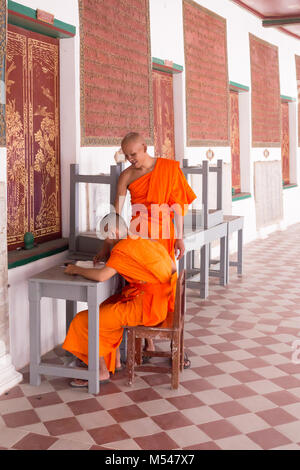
118, 361
149, 345
104, 377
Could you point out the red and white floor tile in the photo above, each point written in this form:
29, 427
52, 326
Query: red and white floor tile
242, 391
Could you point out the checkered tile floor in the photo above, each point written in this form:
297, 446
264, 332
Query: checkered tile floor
242, 391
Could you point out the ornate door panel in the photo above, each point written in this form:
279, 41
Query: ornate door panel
164, 137
235, 142
17, 138
285, 143
33, 147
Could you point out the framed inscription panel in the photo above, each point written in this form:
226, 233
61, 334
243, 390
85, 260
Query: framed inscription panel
116, 75
207, 90
265, 93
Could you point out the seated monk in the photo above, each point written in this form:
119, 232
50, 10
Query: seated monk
146, 300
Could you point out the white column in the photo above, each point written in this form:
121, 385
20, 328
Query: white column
9, 377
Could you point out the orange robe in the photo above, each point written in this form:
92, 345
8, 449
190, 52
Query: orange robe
146, 300
164, 185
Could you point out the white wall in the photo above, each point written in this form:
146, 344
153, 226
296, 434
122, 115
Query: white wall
52, 311
53, 316
166, 43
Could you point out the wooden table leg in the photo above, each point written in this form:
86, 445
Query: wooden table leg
130, 355
71, 307
240, 252
223, 263
35, 332
93, 334
227, 255
204, 271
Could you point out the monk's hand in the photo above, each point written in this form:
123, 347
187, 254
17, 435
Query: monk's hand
179, 248
71, 269
99, 257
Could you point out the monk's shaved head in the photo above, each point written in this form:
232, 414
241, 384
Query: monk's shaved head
132, 137
135, 149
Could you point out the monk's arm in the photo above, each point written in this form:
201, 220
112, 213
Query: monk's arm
94, 274
179, 244
104, 253
174, 268
179, 225
121, 191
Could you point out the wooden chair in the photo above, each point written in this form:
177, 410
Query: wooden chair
171, 329
84, 246
205, 218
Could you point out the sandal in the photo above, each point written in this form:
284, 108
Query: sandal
186, 361
85, 384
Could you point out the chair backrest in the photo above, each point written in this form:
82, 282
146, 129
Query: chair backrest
75, 179
179, 309
204, 170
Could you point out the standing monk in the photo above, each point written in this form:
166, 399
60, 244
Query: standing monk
146, 300
152, 182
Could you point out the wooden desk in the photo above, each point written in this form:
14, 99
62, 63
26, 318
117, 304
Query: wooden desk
200, 240
235, 224
55, 284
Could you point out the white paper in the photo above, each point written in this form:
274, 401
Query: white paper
89, 264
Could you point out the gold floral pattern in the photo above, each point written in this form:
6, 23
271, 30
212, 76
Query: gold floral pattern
44, 163
33, 160
16, 138
2, 67
164, 136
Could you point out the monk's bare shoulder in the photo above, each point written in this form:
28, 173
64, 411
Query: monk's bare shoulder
126, 177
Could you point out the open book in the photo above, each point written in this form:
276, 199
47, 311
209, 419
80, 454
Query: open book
90, 264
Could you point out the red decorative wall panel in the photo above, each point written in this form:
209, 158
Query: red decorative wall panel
207, 92
285, 143
235, 141
3, 28
164, 137
297, 59
33, 147
116, 81
265, 93
17, 137
44, 145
